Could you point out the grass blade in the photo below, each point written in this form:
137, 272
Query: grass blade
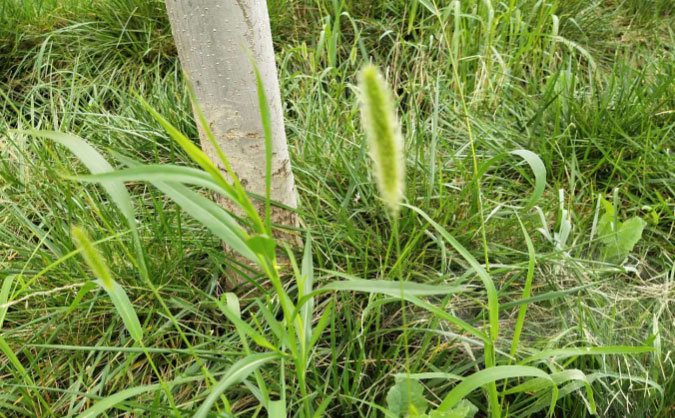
199, 157
96, 164
236, 373
559, 378
487, 376
562, 353
126, 310
520, 321
155, 172
4, 297
118, 296
208, 213
493, 303
267, 130
539, 170
119, 397
391, 288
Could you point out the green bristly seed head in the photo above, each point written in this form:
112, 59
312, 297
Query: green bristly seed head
94, 260
384, 136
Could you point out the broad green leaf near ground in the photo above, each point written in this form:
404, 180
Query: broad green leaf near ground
406, 396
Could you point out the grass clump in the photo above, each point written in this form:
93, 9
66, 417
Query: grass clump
566, 102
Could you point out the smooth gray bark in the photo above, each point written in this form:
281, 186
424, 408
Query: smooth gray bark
216, 40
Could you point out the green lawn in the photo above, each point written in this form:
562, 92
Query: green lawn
588, 87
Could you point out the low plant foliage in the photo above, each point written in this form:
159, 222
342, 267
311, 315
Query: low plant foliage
487, 205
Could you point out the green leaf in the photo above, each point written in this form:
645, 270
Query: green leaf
125, 310
520, 321
4, 296
235, 374
245, 328
392, 288
118, 296
403, 290
493, 302
618, 238
405, 396
321, 409
192, 150
209, 214
321, 325
559, 378
484, 377
262, 245
199, 157
277, 409
156, 172
232, 302
267, 130
305, 281
97, 164
109, 402
629, 233
429, 375
86, 288
93, 259
539, 170
238, 189
464, 409
562, 353
13, 359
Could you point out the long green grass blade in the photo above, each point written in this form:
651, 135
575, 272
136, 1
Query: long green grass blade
237, 372
94, 260
117, 295
94, 161
562, 353
212, 216
238, 188
559, 379
520, 321
485, 377
165, 173
126, 311
208, 213
267, 130
4, 297
393, 289
245, 328
116, 399
305, 284
96, 164
493, 303
539, 170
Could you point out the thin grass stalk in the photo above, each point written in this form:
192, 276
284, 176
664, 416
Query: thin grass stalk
490, 359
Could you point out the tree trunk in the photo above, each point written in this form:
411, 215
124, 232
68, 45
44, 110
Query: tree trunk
215, 40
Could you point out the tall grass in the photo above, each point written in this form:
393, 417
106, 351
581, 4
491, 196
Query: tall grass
568, 86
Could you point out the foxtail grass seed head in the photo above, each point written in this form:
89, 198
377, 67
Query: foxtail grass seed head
384, 136
92, 257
